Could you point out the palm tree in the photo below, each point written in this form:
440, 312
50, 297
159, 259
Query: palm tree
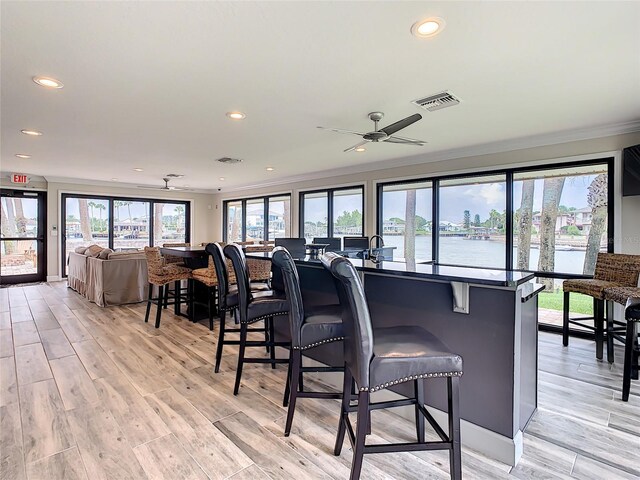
157, 223
525, 224
179, 210
85, 227
552, 191
597, 198
410, 229
100, 207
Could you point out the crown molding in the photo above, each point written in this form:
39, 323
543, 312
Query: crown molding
515, 144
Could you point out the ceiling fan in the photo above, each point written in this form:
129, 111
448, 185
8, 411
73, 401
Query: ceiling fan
166, 186
385, 134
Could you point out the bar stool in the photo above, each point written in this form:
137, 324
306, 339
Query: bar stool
389, 357
612, 270
174, 260
161, 275
309, 329
253, 308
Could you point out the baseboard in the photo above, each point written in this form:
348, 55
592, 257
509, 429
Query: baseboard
53, 278
493, 445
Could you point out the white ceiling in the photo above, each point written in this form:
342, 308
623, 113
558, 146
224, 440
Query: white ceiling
147, 84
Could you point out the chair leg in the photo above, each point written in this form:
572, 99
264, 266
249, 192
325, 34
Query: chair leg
565, 319
165, 299
293, 389
361, 435
243, 342
418, 386
287, 385
610, 327
455, 455
160, 297
220, 341
344, 410
628, 360
211, 305
266, 334
598, 310
149, 298
272, 349
178, 295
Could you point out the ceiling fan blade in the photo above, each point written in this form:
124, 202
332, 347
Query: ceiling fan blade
403, 142
340, 130
400, 124
148, 187
350, 149
409, 139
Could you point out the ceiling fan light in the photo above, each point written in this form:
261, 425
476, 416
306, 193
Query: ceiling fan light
428, 27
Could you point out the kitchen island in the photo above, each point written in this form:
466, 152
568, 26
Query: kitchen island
487, 316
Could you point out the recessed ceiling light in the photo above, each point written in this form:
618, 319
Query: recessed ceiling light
48, 82
221, 179
22, 155
236, 115
138, 170
428, 27
186, 185
33, 133
270, 169
361, 149
114, 179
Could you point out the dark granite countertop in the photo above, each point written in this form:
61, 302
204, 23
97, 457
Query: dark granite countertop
482, 276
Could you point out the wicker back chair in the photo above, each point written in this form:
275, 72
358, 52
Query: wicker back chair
613, 271
161, 274
259, 270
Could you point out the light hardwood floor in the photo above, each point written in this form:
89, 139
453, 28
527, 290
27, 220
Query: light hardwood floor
90, 392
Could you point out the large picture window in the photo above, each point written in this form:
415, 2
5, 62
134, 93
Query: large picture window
337, 212
121, 223
257, 219
407, 219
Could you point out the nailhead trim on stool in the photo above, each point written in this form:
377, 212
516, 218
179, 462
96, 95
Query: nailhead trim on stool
311, 345
412, 377
264, 317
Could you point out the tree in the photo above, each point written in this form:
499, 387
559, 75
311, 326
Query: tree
525, 222
21, 221
8, 228
421, 223
476, 220
397, 220
410, 229
287, 218
85, 226
179, 214
573, 230
551, 193
466, 222
157, 224
597, 199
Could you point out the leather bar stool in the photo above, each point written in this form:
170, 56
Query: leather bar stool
631, 348
228, 297
309, 329
251, 309
384, 358
161, 275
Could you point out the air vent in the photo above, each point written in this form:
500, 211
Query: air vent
228, 160
175, 175
438, 101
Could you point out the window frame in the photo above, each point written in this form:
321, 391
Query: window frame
111, 209
509, 173
243, 201
330, 192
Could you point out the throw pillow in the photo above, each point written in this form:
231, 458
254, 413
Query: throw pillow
93, 251
104, 254
80, 250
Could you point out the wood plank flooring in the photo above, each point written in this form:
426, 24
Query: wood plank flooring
90, 392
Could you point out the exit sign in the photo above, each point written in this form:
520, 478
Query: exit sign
19, 178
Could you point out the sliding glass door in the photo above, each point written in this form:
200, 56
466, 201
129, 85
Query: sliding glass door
23, 240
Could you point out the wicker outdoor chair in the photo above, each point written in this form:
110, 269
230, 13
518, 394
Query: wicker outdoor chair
613, 270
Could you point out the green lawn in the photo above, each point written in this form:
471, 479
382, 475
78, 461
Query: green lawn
553, 301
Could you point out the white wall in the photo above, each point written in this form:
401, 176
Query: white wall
629, 221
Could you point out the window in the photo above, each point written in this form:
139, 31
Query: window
400, 203
560, 219
257, 219
121, 223
332, 213
130, 224
472, 221
169, 225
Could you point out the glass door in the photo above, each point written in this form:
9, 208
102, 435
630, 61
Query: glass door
22, 243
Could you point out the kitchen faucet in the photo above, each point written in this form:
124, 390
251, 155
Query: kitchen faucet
371, 255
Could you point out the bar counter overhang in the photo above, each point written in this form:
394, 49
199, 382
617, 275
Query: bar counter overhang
487, 316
